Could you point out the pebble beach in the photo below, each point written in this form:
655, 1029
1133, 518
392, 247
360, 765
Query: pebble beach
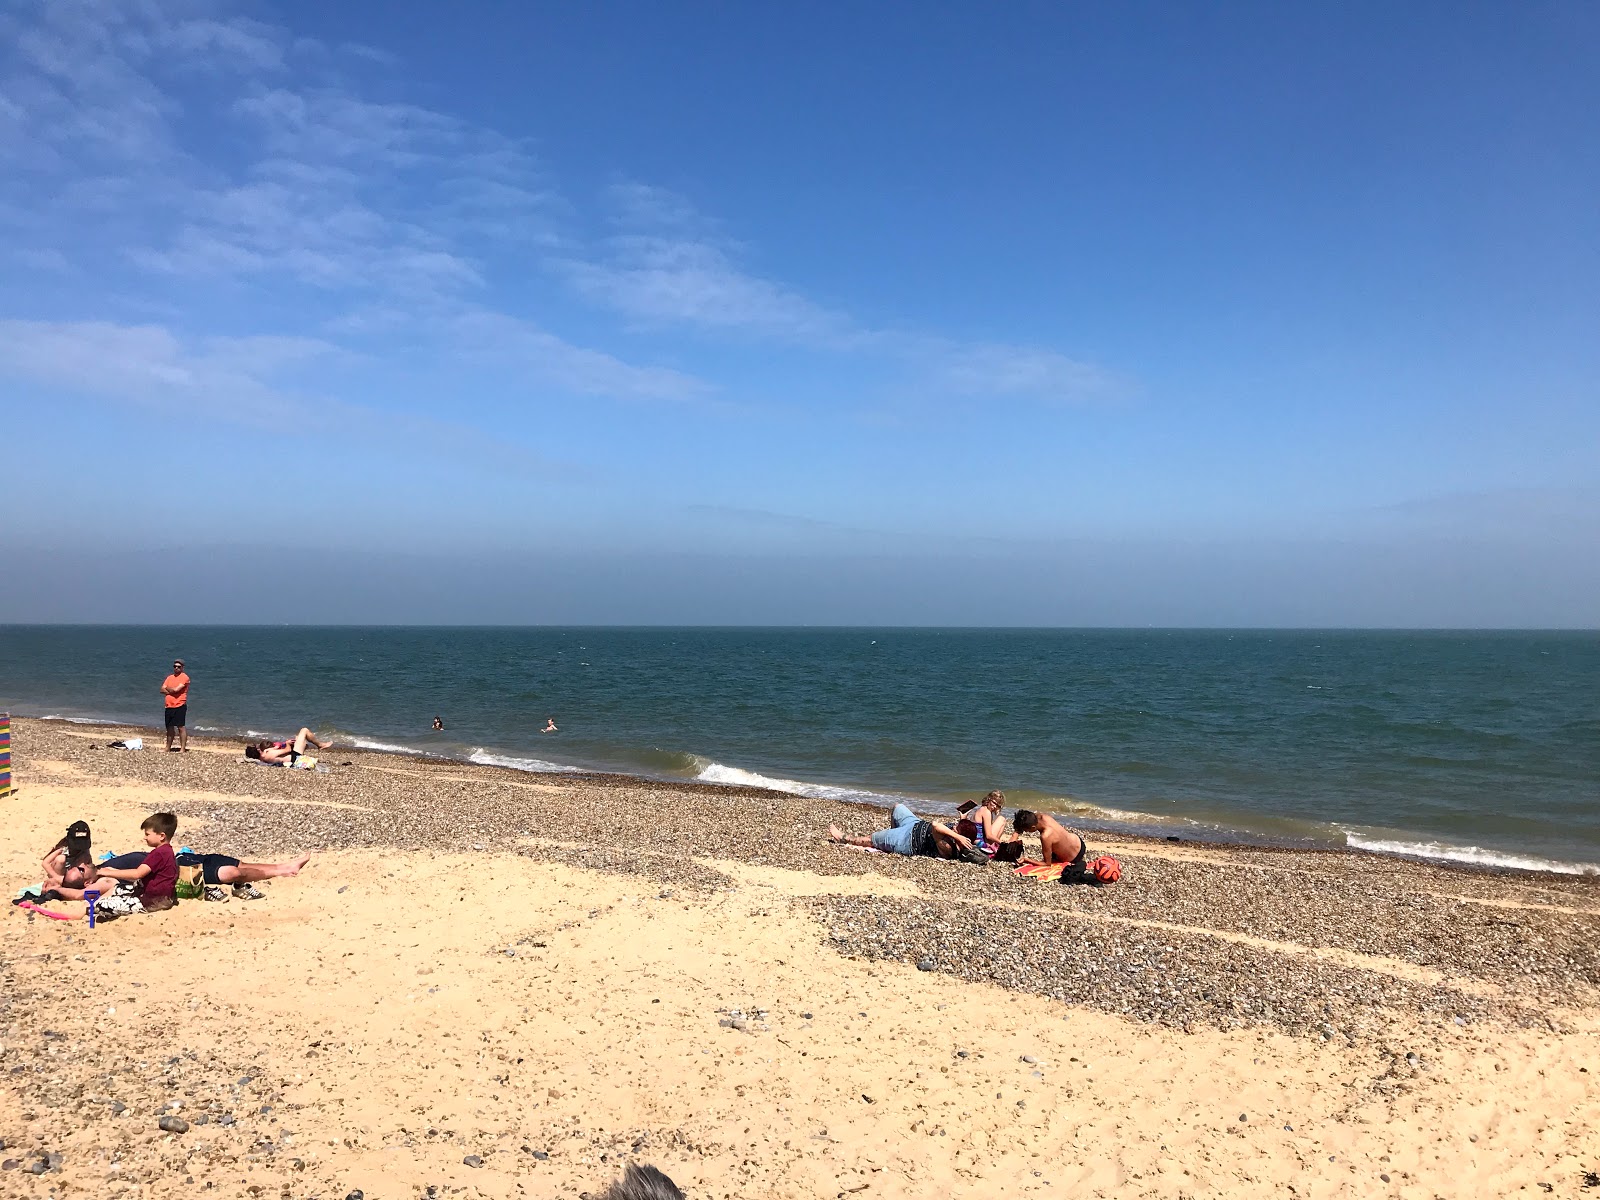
494, 983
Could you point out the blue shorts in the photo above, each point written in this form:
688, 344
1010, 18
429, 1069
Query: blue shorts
899, 837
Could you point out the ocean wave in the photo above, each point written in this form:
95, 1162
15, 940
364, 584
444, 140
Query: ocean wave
715, 772
536, 765
361, 743
1476, 855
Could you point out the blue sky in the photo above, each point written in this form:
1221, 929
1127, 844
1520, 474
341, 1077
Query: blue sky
1039, 314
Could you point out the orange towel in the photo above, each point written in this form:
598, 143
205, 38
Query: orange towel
1041, 872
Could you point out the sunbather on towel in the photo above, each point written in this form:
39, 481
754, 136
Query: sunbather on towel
285, 754
219, 871
909, 834
68, 867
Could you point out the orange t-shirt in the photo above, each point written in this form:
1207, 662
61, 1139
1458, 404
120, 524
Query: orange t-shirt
181, 682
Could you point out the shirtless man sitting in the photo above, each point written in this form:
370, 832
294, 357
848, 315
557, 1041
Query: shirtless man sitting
1060, 844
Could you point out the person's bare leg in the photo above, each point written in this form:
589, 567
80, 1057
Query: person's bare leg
169, 738
183, 737
256, 872
835, 834
305, 735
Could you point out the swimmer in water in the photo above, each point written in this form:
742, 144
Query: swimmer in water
549, 725
438, 724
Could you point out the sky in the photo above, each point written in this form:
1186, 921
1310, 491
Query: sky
1037, 314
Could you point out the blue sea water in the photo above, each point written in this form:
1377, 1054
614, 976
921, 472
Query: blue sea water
1472, 746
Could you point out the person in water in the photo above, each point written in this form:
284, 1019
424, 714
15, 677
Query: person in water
438, 724
1059, 844
549, 725
284, 754
911, 835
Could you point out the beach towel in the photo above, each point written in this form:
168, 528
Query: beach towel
1041, 873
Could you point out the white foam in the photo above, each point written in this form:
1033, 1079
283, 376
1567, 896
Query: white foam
737, 777
1444, 852
360, 743
537, 765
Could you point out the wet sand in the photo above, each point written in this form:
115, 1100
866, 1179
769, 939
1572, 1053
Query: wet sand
551, 976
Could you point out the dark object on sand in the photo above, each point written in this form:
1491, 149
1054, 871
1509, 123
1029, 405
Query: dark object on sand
642, 1183
1591, 1179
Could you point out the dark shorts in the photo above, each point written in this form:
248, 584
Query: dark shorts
178, 717
1078, 869
209, 864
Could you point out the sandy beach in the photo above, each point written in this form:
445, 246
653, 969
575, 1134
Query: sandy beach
489, 983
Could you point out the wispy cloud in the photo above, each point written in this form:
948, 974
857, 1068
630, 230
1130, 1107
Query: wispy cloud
667, 264
373, 220
373, 208
248, 381
149, 364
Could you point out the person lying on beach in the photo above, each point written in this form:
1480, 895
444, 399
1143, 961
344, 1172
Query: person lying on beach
1060, 844
152, 886
284, 754
68, 868
909, 834
985, 825
219, 871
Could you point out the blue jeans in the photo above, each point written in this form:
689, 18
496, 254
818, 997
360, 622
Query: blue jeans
897, 838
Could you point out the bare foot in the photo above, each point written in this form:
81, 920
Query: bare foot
835, 834
299, 863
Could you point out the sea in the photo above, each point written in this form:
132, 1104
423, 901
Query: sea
1475, 747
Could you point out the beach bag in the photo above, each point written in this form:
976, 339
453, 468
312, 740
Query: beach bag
191, 883
1105, 869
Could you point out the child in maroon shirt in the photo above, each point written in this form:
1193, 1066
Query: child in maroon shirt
152, 886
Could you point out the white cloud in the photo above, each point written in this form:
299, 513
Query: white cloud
151, 366
670, 265
543, 358
239, 380
407, 219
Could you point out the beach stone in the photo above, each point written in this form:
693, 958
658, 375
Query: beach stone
1244, 1119
10, 1164
355, 1195
1385, 1178
226, 1119
472, 1160
1028, 1058
541, 1155
173, 1124
805, 1016
925, 964
118, 1107
37, 1167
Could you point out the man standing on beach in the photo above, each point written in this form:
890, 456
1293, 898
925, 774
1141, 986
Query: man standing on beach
175, 688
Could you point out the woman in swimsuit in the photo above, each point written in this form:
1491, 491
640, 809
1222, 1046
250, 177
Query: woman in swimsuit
283, 754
